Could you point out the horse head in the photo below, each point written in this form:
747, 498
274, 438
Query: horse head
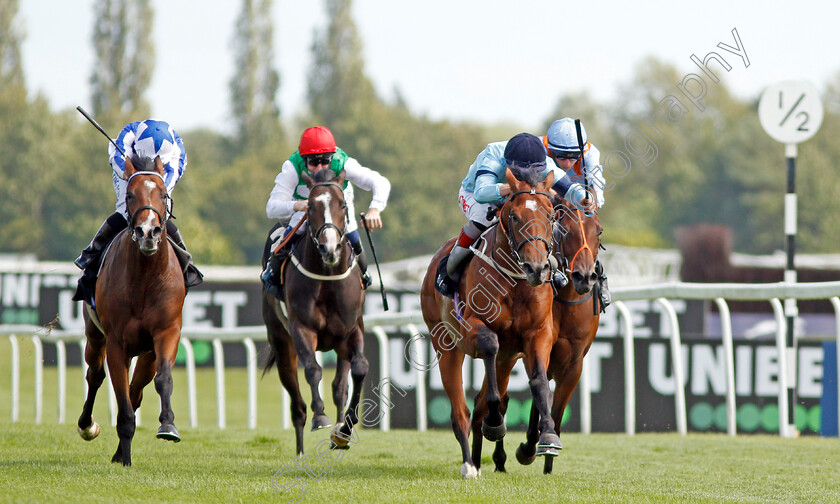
327, 213
578, 237
526, 219
146, 202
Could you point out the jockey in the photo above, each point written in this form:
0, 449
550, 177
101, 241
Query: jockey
484, 189
145, 140
561, 144
288, 200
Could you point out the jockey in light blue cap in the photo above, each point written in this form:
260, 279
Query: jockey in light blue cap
567, 145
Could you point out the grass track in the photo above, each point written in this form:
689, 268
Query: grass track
51, 463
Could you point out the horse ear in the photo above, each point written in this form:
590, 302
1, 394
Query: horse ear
306, 179
341, 177
511, 179
158, 165
548, 181
129, 168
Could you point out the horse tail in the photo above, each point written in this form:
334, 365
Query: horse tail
270, 360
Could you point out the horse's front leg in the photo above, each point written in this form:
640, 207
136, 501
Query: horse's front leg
339, 386
537, 350
166, 349
305, 341
118, 362
358, 371
493, 426
95, 358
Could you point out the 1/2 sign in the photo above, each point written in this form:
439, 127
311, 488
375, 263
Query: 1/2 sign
790, 111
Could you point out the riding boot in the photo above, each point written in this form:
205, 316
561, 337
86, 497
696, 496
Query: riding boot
558, 278
361, 260
271, 282
192, 276
603, 288
449, 271
90, 257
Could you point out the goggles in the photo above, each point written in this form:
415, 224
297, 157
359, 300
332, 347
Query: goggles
319, 159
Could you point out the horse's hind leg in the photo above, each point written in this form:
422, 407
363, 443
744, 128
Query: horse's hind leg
451, 363
305, 340
358, 371
340, 388
527, 451
118, 367
144, 371
95, 359
286, 361
166, 349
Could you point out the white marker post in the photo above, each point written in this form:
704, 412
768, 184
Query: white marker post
790, 112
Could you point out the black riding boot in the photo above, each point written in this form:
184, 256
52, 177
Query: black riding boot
449, 271
361, 259
270, 275
558, 278
604, 289
90, 257
192, 276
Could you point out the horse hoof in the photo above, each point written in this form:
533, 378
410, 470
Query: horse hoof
492, 433
525, 454
168, 432
90, 432
549, 444
321, 422
339, 440
468, 471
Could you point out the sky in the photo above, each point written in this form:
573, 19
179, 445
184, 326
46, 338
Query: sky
490, 61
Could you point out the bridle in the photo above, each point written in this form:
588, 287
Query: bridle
516, 246
314, 235
570, 265
166, 203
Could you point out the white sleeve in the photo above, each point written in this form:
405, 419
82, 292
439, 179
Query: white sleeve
368, 180
281, 202
595, 173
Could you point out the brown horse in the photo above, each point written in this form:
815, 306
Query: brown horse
325, 302
139, 297
506, 315
576, 313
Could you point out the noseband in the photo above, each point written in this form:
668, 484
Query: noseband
516, 246
327, 225
166, 198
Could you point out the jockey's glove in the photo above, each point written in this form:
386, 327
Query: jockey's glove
576, 195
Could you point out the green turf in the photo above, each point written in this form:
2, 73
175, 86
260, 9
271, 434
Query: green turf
51, 463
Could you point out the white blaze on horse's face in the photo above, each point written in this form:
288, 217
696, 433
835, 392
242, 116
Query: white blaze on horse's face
531, 205
330, 233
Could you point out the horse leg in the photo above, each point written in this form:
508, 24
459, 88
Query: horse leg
567, 379
499, 455
359, 367
478, 414
549, 441
144, 371
450, 365
118, 367
287, 370
166, 349
493, 427
527, 451
95, 358
339, 387
305, 340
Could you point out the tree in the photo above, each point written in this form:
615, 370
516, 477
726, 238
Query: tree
124, 59
11, 70
255, 82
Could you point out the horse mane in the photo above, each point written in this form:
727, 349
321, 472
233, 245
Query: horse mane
323, 176
145, 164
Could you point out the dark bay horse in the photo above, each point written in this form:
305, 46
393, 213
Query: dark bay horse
576, 313
501, 316
325, 302
139, 297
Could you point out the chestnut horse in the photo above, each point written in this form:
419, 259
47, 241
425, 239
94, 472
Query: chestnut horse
323, 311
139, 297
506, 315
576, 313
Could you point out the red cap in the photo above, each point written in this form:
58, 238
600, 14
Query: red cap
316, 140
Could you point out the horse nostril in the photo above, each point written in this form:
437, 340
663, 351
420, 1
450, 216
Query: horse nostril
156, 231
577, 277
593, 277
138, 232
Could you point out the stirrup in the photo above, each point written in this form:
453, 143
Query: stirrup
559, 280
